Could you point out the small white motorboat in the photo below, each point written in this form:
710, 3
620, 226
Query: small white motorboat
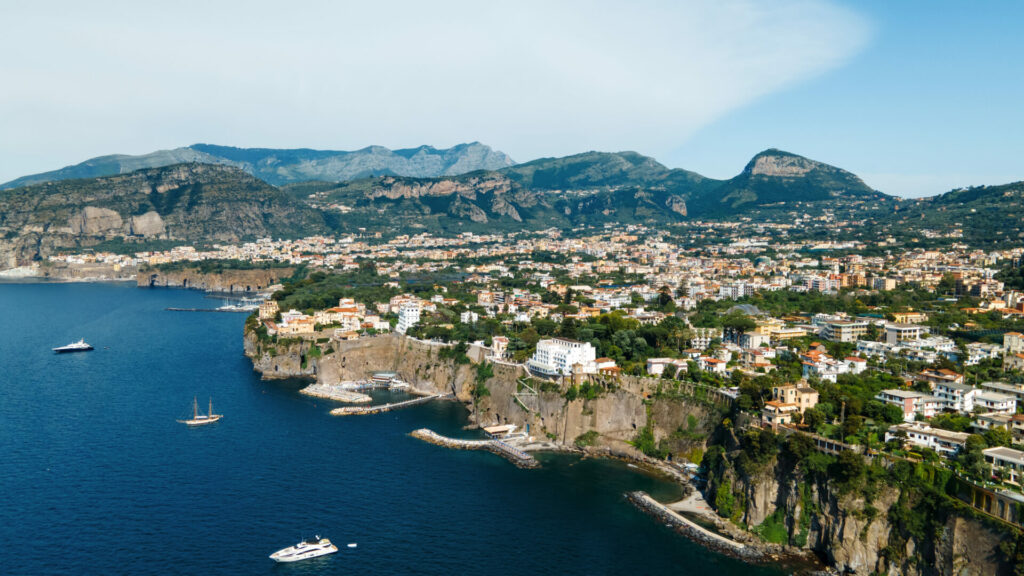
304, 550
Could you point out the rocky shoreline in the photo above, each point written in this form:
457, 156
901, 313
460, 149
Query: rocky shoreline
556, 422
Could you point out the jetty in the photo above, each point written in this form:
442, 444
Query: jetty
337, 392
503, 449
692, 530
360, 410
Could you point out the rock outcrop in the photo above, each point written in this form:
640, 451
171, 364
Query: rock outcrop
467, 187
229, 281
782, 166
93, 221
149, 225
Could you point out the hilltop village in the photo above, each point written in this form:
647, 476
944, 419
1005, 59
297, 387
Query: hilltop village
852, 363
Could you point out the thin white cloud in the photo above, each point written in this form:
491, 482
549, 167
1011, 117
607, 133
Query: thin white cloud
531, 78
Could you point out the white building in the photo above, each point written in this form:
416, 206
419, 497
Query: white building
844, 330
656, 366
900, 333
702, 337
978, 351
912, 403
943, 442
408, 316
469, 317
1006, 461
1016, 390
557, 356
959, 397
996, 402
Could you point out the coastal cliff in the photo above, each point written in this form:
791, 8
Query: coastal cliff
852, 517
609, 418
223, 281
865, 528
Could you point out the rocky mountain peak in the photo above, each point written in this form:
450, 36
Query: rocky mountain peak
777, 163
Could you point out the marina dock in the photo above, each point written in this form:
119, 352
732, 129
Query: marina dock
360, 410
503, 449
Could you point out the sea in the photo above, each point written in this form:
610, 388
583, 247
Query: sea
97, 477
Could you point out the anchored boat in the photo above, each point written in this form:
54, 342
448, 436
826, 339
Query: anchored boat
306, 549
79, 346
198, 419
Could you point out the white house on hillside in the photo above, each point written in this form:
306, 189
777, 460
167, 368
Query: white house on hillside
557, 356
408, 316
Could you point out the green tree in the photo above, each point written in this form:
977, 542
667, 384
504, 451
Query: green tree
998, 436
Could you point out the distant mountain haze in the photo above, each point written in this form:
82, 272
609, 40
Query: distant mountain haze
284, 166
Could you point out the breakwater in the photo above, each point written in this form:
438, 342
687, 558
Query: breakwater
692, 530
510, 453
337, 393
361, 410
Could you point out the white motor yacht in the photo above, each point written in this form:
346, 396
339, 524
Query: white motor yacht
306, 549
79, 346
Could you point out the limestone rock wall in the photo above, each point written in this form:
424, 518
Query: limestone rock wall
616, 415
226, 281
855, 534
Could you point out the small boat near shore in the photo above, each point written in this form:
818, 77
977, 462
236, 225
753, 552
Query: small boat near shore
304, 550
79, 346
198, 419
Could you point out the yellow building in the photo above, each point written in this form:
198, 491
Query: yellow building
268, 309
909, 317
799, 394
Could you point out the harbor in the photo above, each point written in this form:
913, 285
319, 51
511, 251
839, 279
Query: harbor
503, 449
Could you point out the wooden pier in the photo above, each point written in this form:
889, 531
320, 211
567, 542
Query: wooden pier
503, 449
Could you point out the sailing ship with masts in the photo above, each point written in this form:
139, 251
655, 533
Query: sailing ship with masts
199, 419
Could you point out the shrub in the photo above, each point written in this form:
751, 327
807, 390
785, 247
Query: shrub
587, 438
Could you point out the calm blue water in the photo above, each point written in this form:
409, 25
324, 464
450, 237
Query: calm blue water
96, 477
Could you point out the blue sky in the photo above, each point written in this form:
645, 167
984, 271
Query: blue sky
934, 101
916, 97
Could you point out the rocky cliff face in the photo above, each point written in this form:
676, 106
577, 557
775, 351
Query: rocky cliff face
468, 187
782, 166
616, 415
226, 281
187, 202
860, 531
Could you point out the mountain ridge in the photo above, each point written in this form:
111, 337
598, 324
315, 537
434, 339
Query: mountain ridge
280, 166
202, 202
